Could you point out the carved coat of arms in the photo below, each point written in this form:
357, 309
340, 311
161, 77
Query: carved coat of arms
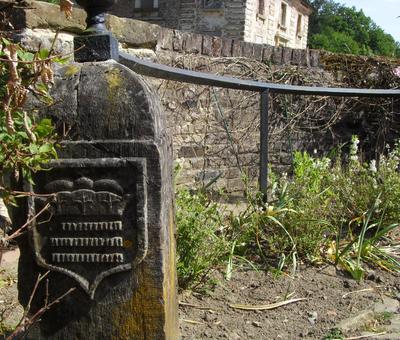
96, 225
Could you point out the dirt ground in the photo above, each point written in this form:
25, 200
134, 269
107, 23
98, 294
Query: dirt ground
329, 298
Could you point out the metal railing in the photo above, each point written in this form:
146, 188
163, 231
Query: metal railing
200, 78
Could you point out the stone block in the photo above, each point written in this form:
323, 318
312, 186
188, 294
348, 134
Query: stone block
192, 42
37, 14
216, 46
134, 33
190, 151
208, 176
207, 45
297, 57
109, 231
226, 49
277, 55
314, 58
267, 53
177, 41
247, 49
286, 55
236, 48
142, 53
165, 39
33, 39
305, 58
258, 52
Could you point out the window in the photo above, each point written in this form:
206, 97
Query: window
146, 5
261, 7
299, 27
212, 4
282, 21
282, 42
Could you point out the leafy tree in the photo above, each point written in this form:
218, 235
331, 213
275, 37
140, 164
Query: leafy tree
343, 29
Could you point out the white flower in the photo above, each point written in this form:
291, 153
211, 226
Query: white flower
396, 71
372, 166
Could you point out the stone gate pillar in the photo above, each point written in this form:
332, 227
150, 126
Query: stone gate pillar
109, 231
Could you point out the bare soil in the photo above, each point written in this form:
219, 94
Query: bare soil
330, 296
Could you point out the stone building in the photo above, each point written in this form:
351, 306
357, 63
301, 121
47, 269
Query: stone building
273, 22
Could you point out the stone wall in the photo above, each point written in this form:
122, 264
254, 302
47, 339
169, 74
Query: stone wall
264, 26
167, 13
39, 19
216, 131
237, 19
218, 18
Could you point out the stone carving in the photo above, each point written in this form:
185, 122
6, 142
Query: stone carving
98, 216
86, 241
87, 258
84, 226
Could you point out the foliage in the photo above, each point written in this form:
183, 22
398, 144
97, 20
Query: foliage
27, 142
338, 210
200, 241
342, 29
350, 206
334, 334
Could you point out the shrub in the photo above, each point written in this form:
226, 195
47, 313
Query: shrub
338, 210
200, 241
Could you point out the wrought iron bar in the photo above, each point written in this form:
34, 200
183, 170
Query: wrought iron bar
264, 111
201, 78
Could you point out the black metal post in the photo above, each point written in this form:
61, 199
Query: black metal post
264, 102
97, 43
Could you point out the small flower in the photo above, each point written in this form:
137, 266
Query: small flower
372, 166
396, 71
354, 148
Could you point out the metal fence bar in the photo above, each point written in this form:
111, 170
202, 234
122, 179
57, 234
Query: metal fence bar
201, 78
264, 103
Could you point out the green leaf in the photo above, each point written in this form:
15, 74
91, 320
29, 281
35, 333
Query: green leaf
33, 148
25, 56
4, 136
45, 148
5, 41
43, 53
42, 87
22, 134
62, 60
44, 128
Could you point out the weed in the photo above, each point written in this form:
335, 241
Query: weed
376, 324
200, 240
334, 334
344, 211
337, 210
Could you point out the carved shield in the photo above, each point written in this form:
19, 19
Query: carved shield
96, 222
